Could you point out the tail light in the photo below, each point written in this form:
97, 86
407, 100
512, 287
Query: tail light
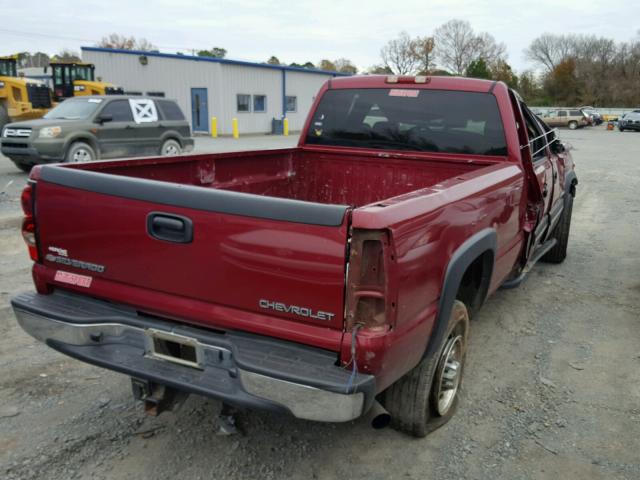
28, 223
367, 281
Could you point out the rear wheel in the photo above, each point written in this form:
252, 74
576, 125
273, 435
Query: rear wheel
561, 233
80, 152
170, 148
427, 397
573, 125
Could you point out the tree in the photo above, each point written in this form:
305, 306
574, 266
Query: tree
562, 83
327, 65
215, 52
549, 50
502, 72
399, 55
344, 65
273, 60
478, 69
28, 59
423, 53
66, 56
458, 45
380, 70
123, 42
302, 65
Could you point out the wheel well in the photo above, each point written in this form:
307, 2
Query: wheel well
88, 141
475, 282
172, 137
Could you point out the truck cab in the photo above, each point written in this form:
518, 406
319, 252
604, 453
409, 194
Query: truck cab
76, 79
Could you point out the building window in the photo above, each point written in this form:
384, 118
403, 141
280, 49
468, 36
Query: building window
292, 104
244, 103
259, 103
155, 94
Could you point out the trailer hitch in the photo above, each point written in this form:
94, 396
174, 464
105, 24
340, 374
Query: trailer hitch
157, 397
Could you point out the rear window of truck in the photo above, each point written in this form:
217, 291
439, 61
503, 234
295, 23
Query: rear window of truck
409, 119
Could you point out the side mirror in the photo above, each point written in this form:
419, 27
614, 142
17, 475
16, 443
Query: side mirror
104, 119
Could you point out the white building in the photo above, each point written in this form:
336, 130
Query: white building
254, 93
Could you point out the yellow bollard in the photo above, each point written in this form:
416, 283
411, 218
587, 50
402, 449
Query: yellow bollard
285, 126
234, 128
214, 127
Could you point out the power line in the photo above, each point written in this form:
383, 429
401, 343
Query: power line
76, 39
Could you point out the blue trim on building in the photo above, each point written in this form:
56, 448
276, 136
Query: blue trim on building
283, 68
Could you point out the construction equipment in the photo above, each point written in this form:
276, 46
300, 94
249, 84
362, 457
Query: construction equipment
76, 79
20, 98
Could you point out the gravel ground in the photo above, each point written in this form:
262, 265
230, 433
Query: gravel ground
552, 387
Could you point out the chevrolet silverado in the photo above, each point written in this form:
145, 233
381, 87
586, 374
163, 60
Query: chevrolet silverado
325, 281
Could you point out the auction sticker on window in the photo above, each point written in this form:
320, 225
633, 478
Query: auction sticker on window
73, 279
400, 92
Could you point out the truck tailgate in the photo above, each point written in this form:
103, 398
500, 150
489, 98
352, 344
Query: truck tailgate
277, 257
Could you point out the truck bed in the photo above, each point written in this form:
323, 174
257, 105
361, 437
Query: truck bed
320, 177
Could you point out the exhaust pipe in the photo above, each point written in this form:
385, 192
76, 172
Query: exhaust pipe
378, 416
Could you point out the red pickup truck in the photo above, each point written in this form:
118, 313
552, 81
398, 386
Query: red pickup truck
324, 281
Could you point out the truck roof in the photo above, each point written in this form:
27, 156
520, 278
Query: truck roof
406, 81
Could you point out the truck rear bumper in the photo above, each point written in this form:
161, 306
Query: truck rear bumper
238, 368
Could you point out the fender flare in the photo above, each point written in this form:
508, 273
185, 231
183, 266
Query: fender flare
481, 242
81, 137
171, 135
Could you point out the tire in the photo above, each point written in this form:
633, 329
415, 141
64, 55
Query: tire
80, 152
414, 400
573, 125
621, 129
561, 233
170, 148
24, 166
4, 117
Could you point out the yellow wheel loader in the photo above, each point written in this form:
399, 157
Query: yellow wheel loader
76, 79
20, 98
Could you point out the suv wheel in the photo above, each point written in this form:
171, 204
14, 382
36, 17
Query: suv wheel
573, 125
170, 148
427, 396
80, 152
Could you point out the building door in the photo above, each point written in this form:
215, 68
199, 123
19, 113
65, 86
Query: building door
199, 110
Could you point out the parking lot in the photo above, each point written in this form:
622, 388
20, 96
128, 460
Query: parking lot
552, 386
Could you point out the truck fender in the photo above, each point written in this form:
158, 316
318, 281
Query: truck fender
481, 242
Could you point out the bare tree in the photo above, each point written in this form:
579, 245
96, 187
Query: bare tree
549, 50
457, 45
122, 42
399, 55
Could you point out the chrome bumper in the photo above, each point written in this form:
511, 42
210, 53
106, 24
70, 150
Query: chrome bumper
124, 347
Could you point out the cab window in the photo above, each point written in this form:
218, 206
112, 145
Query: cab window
537, 139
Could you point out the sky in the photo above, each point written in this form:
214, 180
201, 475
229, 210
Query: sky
302, 30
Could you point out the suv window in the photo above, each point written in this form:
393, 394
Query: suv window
170, 110
562, 113
576, 113
119, 110
409, 119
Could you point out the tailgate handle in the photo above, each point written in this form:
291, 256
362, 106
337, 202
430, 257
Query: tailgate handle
170, 227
